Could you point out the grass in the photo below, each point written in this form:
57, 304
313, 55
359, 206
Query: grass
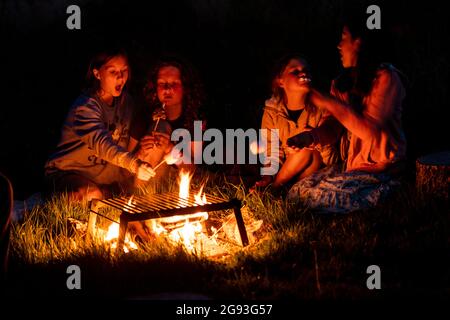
303, 255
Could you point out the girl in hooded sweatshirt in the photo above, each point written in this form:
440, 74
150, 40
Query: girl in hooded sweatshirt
290, 112
367, 100
91, 160
173, 97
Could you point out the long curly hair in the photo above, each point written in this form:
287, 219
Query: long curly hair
193, 93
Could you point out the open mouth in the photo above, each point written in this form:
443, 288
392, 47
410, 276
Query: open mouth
118, 88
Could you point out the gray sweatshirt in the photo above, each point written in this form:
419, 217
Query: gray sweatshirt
94, 140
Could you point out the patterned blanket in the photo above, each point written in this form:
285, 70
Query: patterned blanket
332, 191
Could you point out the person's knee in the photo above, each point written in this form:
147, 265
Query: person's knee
315, 163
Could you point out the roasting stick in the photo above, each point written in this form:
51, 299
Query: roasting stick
159, 164
159, 118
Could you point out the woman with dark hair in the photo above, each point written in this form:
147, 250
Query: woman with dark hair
367, 101
173, 95
92, 152
290, 112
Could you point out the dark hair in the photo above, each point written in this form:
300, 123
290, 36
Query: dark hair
97, 61
193, 94
372, 53
279, 67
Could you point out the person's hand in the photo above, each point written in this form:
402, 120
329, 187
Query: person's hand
301, 140
264, 182
156, 139
162, 140
147, 142
145, 172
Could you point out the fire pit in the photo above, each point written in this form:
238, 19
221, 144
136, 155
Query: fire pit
165, 205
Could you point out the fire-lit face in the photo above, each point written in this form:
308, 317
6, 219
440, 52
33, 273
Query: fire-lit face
348, 49
113, 76
169, 86
295, 77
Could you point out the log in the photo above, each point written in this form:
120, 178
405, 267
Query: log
432, 176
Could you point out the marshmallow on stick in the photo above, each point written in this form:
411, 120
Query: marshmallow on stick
159, 116
169, 158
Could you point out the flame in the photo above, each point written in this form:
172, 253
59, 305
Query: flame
187, 231
188, 227
130, 202
184, 180
113, 234
200, 197
256, 148
186, 234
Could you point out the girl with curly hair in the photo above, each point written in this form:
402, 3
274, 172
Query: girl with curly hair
173, 95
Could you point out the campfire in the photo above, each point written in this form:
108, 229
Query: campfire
113, 234
182, 218
185, 229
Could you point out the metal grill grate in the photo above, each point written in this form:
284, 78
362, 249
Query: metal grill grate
161, 206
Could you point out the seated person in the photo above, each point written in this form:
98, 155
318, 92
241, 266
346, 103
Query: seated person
291, 112
368, 103
173, 96
91, 156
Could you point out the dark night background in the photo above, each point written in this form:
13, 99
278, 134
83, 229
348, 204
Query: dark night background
233, 44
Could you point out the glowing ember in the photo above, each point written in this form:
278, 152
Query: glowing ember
257, 149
